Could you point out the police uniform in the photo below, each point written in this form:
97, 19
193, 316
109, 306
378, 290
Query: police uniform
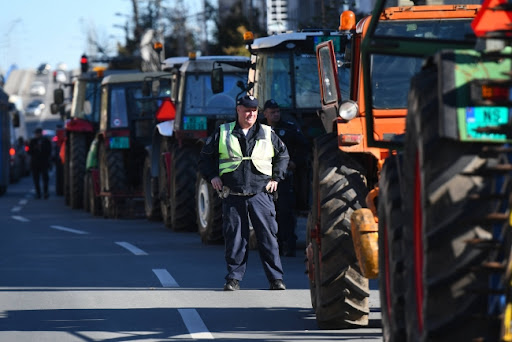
246, 177
297, 146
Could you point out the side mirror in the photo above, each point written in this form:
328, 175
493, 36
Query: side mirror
146, 88
217, 80
58, 96
16, 119
54, 108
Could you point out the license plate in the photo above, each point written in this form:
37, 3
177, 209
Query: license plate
477, 117
194, 123
119, 142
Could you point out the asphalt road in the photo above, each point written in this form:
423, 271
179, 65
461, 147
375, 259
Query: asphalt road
68, 276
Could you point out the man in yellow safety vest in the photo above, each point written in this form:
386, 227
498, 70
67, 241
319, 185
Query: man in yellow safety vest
249, 160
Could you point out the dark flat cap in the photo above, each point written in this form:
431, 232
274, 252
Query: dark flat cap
270, 104
248, 101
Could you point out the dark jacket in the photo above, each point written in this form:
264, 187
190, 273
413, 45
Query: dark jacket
40, 150
295, 141
245, 179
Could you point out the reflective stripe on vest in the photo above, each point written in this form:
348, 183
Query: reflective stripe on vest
230, 152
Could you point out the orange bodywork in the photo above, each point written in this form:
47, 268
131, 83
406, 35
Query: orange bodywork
352, 135
386, 121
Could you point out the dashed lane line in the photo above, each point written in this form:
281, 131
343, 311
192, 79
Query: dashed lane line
165, 278
195, 325
15, 209
70, 230
23, 202
20, 218
131, 248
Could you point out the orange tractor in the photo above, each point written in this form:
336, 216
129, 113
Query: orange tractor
342, 245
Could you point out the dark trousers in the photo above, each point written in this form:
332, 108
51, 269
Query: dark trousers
38, 173
286, 219
236, 211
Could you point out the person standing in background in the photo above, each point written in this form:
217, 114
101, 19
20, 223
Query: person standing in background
297, 146
40, 150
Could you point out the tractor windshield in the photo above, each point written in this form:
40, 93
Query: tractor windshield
199, 98
391, 75
127, 103
296, 78
87, 103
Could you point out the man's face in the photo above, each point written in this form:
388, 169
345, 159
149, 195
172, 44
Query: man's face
273, 115
246, 116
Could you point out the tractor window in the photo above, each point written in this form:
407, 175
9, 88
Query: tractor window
200, 100
145, 107
87, 101
307, 88
391, 76
92, 102
446, 29
118, 109
276, 83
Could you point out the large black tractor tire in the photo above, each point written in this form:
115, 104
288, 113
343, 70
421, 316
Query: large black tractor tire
59, 177
455, 198
341, 293
112, 180
208, 212
85, 198
66, 172
391, 254
151, 203
94, 202
177, 200
311, 260
77, 154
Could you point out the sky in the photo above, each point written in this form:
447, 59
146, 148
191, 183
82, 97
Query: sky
54, 31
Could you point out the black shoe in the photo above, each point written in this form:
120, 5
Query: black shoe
277, 285
38, 196
46, 195
232, 285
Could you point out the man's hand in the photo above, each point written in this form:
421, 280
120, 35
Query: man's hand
216, 183
271, 186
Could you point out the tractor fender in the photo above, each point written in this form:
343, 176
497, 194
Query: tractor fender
92, 156
365, 235
166, 128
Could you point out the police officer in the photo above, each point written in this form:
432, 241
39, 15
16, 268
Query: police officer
246, 160
297, 146
40, 150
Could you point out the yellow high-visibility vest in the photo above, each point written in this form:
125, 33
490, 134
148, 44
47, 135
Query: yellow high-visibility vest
230, 152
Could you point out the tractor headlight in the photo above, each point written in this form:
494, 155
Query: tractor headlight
348, 110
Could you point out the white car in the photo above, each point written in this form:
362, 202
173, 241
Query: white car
37, 88
35, 108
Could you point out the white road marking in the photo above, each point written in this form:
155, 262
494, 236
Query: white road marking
22, 202
71, 230
165, 278
15, 209
20, 218
195, 325
131, 248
